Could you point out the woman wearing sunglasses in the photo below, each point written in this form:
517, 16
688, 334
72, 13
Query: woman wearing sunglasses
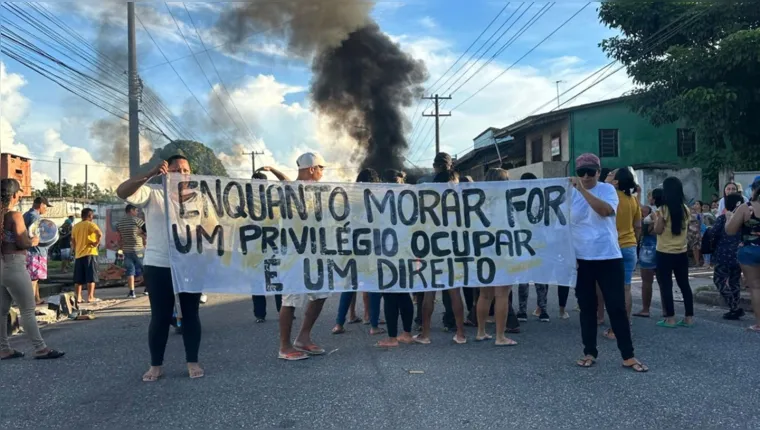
595, 238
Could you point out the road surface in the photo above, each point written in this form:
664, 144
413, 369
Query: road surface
705, 377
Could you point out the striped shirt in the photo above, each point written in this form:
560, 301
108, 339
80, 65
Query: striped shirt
129, 229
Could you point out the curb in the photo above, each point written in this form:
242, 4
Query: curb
713, 298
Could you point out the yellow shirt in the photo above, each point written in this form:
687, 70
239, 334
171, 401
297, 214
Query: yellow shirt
86, 237
669, 243
628, 213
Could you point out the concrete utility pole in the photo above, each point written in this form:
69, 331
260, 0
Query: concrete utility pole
557, 83
134, 120
86, 182
60, 181
253, 155
437, 115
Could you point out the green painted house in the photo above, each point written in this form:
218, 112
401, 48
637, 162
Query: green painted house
547, 144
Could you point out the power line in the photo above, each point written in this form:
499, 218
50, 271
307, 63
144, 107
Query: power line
525, 55
221, 82
182, 80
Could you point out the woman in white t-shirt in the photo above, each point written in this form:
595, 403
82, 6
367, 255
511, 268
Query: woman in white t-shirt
729, 188
600, 261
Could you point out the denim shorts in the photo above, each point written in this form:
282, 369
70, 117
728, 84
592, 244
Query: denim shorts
629, 262
132, 262
648, 256
749, 255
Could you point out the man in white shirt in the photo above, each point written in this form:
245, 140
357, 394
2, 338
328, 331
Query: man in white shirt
310, 168
157, 271
600, 261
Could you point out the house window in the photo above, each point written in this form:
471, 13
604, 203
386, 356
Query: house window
687, 142
536, 150
556, 147
608, 142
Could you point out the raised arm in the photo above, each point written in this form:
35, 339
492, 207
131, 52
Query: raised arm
599, 206
132, 185
734, 225
281, 176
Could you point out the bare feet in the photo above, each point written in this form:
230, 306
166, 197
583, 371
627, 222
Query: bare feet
153, 374
195, 370
390, 342
405, 338
484, 336
338, 329
376, 330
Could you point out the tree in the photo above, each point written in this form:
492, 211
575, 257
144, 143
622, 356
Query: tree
705, 73
202, 159
76, 192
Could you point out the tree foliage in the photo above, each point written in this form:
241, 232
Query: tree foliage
202, 159
76, 191
705, 74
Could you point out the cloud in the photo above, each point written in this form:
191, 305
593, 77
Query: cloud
428, 23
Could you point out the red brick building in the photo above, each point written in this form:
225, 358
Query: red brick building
18, 168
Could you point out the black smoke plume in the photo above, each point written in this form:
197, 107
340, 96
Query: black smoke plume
361, 79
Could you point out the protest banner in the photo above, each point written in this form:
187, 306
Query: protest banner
259, 237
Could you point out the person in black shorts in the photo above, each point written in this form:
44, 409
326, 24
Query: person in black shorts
85, 239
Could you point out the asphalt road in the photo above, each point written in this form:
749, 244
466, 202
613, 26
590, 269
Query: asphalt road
705, 377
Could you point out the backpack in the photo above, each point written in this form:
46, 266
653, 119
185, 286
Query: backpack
707, 246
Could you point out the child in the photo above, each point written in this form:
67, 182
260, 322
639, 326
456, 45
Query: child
727, 274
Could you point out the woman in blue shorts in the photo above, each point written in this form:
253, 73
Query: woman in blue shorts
648, 252
745, 220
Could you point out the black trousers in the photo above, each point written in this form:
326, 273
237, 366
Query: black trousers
610, 275
260, 305
669, 265
398, 304
159, 281
562, 293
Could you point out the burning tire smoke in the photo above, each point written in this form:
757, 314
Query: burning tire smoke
361, 79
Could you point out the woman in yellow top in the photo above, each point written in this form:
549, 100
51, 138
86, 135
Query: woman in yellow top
628, 221
670, 225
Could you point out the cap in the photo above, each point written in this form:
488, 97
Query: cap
310, 159
40, 200
442, 159
587, 160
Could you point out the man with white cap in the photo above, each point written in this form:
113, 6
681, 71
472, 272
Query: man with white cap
310, 168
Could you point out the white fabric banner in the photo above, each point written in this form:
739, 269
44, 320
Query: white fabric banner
259, 237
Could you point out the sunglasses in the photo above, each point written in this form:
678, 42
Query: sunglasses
586, 171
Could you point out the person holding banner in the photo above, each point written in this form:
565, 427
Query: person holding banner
499, 295
157, 271
428, 306
595, 238
311, 169
260, 302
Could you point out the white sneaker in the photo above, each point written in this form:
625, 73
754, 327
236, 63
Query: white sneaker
204, 298
564, 316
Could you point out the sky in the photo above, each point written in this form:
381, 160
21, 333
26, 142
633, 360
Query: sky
257, 97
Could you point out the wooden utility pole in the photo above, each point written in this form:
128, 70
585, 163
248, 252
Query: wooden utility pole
253, 155
60, 180
437, 115
133, 90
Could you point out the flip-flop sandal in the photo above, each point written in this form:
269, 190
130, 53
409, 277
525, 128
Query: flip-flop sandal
637, 367
365, 322
510, 342
15, 354
609, 334
338, 331
293, 356
459, 342
641, 315
197, 375
663, 323
683, 323
355, 320
51, 355
378, 345
152, 378
754, 328
378, 331
260, 320
311, 350
420, 340
481, 339
586, 362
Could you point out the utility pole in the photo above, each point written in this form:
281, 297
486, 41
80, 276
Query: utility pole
60, 181
253, 155
557, 83
134, 120
86, 182
437, 115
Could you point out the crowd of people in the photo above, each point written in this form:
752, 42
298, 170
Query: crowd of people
612, 234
